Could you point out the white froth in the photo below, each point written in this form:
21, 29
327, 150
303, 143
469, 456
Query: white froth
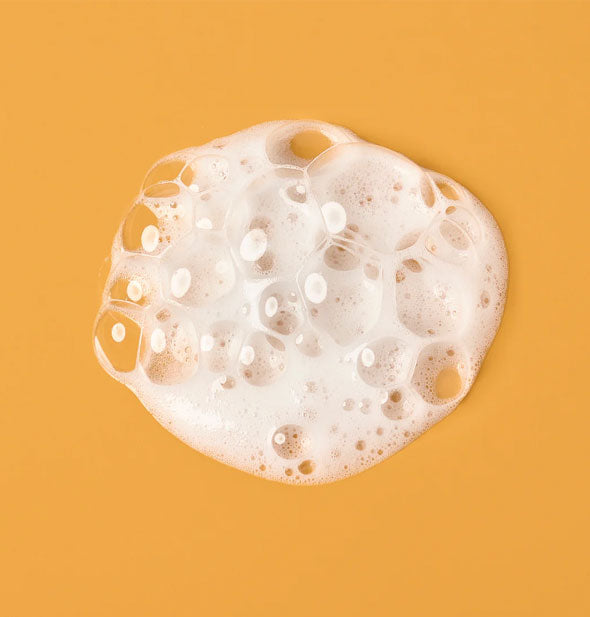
180, 282
301, 312
149, 238
253, 245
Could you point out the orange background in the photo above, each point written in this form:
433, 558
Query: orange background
103, 512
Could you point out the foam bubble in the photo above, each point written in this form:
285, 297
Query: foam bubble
299, 303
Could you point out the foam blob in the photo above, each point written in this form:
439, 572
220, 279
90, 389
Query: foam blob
299, 303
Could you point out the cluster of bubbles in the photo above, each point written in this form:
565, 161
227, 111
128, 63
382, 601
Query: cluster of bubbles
300, 303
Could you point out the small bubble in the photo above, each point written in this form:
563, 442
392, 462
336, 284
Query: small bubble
306, 467
348, 404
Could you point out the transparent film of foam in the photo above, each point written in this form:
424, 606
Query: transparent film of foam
299, 303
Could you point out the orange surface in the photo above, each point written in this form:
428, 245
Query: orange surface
103, 512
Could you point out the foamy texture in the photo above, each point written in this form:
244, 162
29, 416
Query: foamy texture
300, 303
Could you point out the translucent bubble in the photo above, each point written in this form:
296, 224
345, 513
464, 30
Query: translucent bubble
253, 245
263, 359
344, 303
199, 271
134, 280
281, 308
138, 220
384, 363
428, 304
291, 441
205, 172
169, 349
165, 170
442, 373
308, 343
366, 180
116, 338
220, 346
398, 405
273, 227
306, 467
297, 143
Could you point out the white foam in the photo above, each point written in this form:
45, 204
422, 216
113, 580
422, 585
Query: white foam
300, 313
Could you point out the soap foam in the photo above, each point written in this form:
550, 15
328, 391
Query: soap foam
300, 303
